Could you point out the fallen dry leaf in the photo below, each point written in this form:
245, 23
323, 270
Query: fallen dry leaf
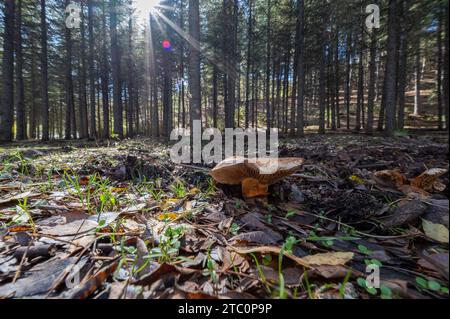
429, 179
436, 232
390, 178
330, 259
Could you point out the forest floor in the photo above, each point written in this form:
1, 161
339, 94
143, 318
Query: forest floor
120, 220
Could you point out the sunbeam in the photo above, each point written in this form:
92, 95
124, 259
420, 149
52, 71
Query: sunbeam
144, 7
223, 66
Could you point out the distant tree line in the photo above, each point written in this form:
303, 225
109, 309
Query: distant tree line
286, 64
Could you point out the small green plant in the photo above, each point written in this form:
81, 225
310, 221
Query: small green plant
77, 188
344, 284
108, 200
234, 229
169, 245
179, 189
261, 273
363, 284
385, 292
432, 285
364, 250
401, 133
308, 286
287, 247
327, 240
267, 259
124, 252
24, 209
211, 189
155, 191
49, 186
290, 214
209, 270
375, 262
10, 164
23, 163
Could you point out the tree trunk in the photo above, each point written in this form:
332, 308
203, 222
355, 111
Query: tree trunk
70, 105
446, 70
403, 65
84, 133
332, 85
391, 69
21, 133
115, 63
105, 79
417, 78
348, 77
231, 76
33, 111
7, 98
301, 69
372, 82
360, 98
182, 102
215, 95
194, 63
249, 63
268, 57
167, 93
93, 130
131, 77
44, 73
154, 110
337, 78
439, 69
322, 75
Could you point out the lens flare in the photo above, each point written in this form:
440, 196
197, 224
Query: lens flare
167, 45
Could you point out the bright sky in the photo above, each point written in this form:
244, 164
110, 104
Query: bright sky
145, 6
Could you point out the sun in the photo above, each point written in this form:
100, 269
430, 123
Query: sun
144, 7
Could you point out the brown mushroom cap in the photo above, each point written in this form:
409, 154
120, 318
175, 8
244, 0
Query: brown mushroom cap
233, 170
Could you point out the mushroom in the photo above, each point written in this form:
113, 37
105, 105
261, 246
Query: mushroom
255, 175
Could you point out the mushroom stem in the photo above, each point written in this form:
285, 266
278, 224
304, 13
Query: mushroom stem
251, 187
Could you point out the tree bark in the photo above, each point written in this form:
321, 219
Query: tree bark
194, 63
105, 79
446, 70
391, 69
301, 69
322, 75
268, 57
70, 130
93, 130
417, 79
154, 109
348, 77
439, 70
115, 63
131, 77
231, 77
360, 98
249, 63
372, 82
83, 112
403, 64
21, 123
337, 77
44, 73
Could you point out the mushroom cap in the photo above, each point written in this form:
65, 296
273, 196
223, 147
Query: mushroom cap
233, 170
